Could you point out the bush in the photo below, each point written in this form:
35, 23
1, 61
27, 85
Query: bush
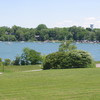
55, 60
7, 62
17, 60
71, 59
80, 59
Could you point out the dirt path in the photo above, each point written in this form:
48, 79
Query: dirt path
0, 72
97, 65
33, 70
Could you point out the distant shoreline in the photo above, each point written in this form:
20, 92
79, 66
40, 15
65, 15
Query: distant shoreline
56, 41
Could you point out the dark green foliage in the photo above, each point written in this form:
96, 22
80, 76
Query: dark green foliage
41, 26
17, 60
71, 59
30, 56
79, 59
7, 62
8, 38
54, 60
17, 33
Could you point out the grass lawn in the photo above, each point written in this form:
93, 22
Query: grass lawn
97, 62
19, 68
62, 84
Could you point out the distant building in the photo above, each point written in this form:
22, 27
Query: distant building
91, 26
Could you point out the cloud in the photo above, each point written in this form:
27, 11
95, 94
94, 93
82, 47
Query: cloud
84, 22
66, 23
98, 22
90, 18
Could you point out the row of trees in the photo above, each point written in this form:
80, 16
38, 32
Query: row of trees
42, 33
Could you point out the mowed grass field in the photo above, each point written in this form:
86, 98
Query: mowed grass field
14, 68
62, 84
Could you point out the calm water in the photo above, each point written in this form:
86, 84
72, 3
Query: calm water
14, 48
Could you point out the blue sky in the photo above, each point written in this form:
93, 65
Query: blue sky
53, 13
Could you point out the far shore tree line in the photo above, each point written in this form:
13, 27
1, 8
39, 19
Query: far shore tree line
43, 33
66, 57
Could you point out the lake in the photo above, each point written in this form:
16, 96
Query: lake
10, 50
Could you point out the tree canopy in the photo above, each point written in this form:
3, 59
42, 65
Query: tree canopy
43, 33
28, 57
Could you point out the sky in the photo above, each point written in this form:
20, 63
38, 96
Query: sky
52, 13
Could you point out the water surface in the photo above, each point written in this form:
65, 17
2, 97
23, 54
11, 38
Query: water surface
10, 50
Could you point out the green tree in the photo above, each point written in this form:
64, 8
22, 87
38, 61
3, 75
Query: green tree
97, 34
42, 33
7, 62
17, 60
30, 56
67, 46
41, 26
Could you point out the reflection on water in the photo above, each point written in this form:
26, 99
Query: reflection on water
10, 50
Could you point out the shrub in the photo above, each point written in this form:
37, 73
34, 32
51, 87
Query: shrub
17, 60
80, 59
71, 59
55, 60
7, 62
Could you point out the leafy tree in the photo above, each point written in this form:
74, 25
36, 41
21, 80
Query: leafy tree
17, 60
41, 26
30, 56
15, 28
78, 32
44, 34
89, 29
52, 34
20, 34
7, 62
67, 46
97, 34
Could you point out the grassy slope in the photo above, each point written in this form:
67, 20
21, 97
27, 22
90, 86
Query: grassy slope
65, 84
